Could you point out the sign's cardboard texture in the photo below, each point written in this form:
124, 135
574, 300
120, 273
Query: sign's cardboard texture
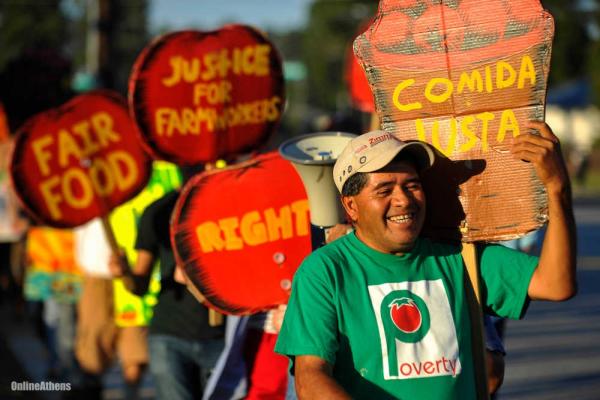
241, 233
200, 96
463, 76
79, 161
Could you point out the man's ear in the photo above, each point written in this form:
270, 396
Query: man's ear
350, 206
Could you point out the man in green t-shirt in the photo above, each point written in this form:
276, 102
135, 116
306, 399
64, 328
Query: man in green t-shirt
381, 312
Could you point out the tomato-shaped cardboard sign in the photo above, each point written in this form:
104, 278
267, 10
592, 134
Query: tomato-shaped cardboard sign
241, 233
464, 76
200, 96
79, 161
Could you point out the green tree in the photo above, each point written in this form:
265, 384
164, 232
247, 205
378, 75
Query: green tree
571, 41
329, 35
25, 24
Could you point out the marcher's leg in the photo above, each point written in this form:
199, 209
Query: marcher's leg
173, 368
132, 347
207, 353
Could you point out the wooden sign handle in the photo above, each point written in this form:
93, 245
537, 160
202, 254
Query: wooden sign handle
110, 236
469, 253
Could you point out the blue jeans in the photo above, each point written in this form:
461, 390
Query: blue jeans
181, 367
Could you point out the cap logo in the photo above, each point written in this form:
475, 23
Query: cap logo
361, 148
379, 139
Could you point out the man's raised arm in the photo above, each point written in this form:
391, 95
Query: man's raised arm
555, 277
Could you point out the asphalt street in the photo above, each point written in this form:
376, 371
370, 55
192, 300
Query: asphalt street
554, 352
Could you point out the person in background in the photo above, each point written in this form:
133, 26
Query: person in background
183, 344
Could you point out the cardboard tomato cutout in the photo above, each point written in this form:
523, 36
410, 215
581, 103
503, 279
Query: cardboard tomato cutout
465, 79
241, 233
79, 161
200, 96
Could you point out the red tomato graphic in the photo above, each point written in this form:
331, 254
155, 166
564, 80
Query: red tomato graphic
405, 314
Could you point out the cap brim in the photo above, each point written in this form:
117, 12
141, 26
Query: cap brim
423, 155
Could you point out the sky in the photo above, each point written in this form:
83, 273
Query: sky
211, 14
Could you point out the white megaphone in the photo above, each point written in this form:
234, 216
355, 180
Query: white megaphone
313, 155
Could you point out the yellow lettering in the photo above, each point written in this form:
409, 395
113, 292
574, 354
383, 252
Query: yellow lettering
103, 125
503, 81
279, 224
435, 138
176, 70
209, 236
123, 168
261, 60
484, 117
253, 231
50, 198
228, 226
83, 130
301, 213
527, 71
42, 156
85, 193
210, 66
444, 95
247, 54
489, 87
399, 88
473, 82
190, 69
162, 117
420, 129
508, 122
67, 146
102, 177
468, 133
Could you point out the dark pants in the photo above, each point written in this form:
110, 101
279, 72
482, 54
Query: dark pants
181, 367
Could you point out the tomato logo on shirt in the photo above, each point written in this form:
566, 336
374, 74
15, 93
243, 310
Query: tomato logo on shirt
405, 314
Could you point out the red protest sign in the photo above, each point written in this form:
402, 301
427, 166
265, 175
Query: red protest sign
241, 233
200, 96
464, 75
76, 162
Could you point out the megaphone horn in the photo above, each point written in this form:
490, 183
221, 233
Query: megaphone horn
313, 156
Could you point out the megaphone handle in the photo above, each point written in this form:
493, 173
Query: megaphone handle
318, 235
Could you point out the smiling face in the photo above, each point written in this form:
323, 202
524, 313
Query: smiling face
388, 213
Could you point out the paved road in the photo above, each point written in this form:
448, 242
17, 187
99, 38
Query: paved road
554, 353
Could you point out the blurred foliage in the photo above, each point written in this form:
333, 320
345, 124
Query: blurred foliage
63, 26
571, 42
26, 24
331, 29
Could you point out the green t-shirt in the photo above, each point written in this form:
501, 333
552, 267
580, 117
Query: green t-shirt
398, 326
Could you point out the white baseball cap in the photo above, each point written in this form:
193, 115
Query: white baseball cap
374, 150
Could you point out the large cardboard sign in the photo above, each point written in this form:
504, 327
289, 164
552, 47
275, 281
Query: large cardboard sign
77, 162
241, 233
463, 76
200, 96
